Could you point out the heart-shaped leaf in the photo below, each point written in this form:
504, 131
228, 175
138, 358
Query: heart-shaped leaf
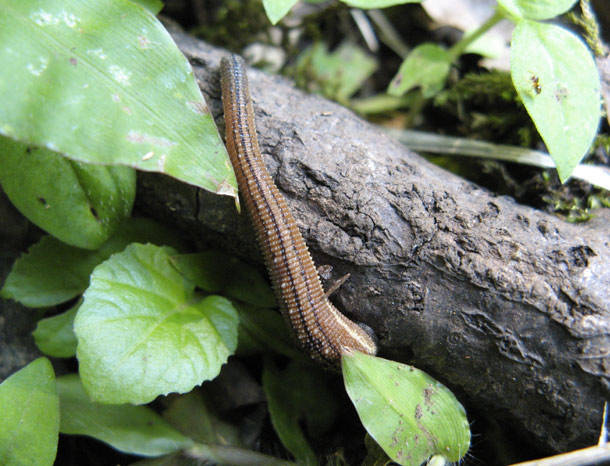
29, 413
143, 332
101, 81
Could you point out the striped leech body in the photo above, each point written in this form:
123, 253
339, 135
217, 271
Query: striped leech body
318, 326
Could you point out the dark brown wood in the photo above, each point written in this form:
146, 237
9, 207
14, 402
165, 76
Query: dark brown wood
509, 306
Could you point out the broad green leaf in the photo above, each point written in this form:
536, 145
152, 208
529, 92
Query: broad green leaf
102, 81
277, 9
217, 272
81, 204
142, 331
556, 78
154, 6
131, 429
263, 329
190, 414
284, 421
410, 415
369, 4
29, 416
338, 74
52, 272
536, 9
55, 337
299, 393
427, 67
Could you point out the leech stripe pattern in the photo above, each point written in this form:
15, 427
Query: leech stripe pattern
319, 328
264, 194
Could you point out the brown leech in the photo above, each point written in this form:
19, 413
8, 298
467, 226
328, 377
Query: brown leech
319, 327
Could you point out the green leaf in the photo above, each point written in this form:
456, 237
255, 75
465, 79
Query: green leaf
55, 337
154, 6
29, 409
263, 329
410, 415
131, 429
217, 441
369, 4
556, 78
337, 75
190, 414
101, 81
536, 9
52, 272
217, 272
299, 393
142, 331
277, 9
427, 67
81, 204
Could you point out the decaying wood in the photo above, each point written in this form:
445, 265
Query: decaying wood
508, 306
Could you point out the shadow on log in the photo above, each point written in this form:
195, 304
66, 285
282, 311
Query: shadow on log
510, 307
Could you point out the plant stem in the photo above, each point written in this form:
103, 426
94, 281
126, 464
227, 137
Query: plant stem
388, 35
459, 47
597, 175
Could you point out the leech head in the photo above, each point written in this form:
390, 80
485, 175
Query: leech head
362, 340
345, 335
372, 337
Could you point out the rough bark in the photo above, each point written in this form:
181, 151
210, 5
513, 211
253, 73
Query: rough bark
507, 305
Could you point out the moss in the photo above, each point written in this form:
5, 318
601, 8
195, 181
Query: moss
487, 107
588, 22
